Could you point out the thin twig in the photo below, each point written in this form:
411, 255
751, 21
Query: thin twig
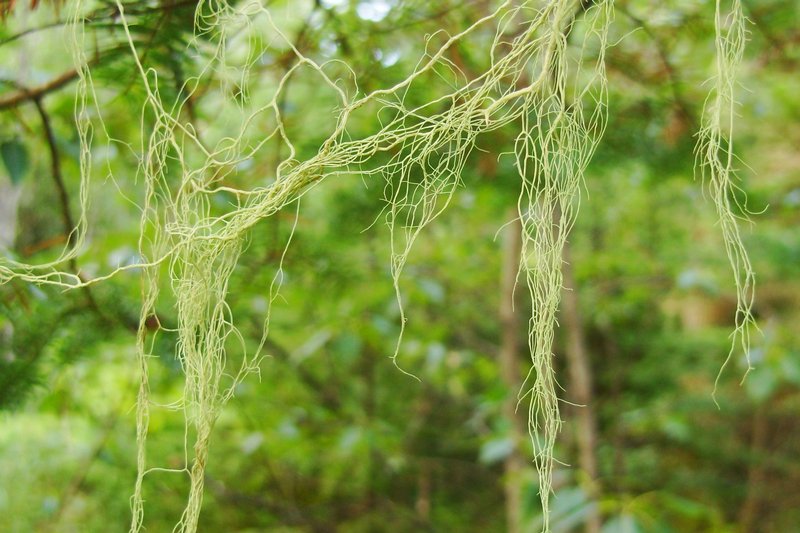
55, 167
23, 94
669, 68
63, 198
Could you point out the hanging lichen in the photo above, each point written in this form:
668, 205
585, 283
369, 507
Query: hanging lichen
717, 163
557, 104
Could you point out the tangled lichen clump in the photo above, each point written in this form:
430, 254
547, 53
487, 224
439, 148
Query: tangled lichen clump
557, 103
527, 82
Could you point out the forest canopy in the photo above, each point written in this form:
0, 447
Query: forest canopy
384, 265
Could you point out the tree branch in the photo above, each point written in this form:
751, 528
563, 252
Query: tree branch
63, 199
55, 166
672, 74
23, 94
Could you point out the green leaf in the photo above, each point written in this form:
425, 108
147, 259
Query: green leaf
15, 158
496, 450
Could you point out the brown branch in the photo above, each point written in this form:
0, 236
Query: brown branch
63, 199
30, 31
581, 388
55, 167
672, 74
23, 94
756, 471
508, 359
36, 97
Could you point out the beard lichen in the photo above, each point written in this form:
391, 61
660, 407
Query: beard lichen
556, 102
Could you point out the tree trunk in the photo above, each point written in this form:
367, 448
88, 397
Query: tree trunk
756, 474
509, 359
580, 390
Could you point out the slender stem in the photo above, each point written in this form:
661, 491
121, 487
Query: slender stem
63, 199
23, 95
55, 166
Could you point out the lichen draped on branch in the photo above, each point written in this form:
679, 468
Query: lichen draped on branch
554, 99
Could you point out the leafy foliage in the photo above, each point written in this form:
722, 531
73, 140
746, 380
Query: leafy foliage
332, 436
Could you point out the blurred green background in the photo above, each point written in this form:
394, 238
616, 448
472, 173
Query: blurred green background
332, 436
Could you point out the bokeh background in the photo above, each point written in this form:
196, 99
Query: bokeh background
332, 436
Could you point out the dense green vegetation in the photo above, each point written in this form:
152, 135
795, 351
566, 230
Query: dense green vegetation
331, 436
